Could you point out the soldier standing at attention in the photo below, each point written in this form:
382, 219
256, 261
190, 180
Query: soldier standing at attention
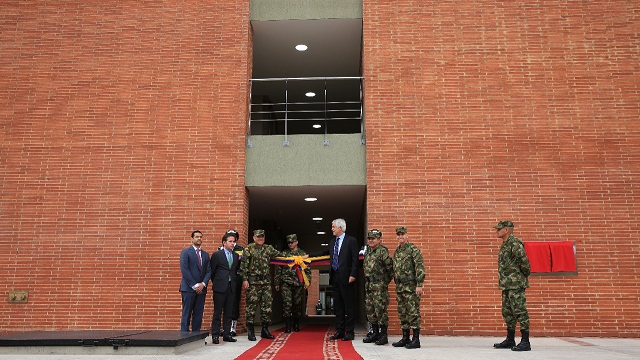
513, 278
255, 270
409, 273
378, 272
293, 292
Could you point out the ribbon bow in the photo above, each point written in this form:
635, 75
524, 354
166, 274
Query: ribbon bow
296, 262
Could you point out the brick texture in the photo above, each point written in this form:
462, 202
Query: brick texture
480, 111
122, 130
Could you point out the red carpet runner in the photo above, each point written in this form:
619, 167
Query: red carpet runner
312, 343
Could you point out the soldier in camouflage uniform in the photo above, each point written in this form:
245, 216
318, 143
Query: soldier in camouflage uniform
293, 292
378, 272
513, 278
409, 274
255, 270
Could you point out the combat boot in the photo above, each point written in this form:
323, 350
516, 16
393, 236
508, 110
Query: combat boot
251, 333
509, 342
405, 339
373, 335
287, 325
524, 342
296, 324
382, 338
415, 342
265, 334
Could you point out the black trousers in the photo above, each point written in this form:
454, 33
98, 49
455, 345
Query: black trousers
344, 298
235, 315
222, 303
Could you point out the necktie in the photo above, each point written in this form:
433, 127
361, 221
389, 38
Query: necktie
229, 259
199, 257
336, 252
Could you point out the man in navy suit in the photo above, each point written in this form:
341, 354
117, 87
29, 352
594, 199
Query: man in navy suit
224, 267
196, 273
343, 258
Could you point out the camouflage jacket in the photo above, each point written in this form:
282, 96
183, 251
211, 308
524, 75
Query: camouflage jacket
408, 268
378, 266
286, 274
513, 265
255, 266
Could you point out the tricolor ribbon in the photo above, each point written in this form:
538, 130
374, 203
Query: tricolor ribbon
300, 264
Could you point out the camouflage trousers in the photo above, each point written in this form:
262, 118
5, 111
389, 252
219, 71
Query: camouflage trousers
376, 302
292, 300
259, 295
514, 309
409, 310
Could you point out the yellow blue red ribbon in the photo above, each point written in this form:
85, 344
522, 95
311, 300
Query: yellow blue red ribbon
300, 264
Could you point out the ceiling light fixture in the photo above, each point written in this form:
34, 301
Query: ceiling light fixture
324, 244
301, 47
317, 126
310, 94
317, 219
321, 233
310, 199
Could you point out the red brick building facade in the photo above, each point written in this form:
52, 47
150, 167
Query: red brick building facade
123, 129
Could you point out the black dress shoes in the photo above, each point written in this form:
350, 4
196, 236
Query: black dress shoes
215, 340
336, 336
228, 338
350, 336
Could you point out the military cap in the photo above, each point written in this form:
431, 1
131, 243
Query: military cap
292, 238
504, 224
401, 229
258, 232
374, 233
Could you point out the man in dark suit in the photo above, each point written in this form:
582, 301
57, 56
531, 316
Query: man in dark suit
343, 258
224, 267
238, 290
196, 273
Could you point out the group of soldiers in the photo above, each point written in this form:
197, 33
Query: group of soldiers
255, 270
406, 268
408, 271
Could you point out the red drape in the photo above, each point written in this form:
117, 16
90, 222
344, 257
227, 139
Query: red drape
562, 256
539, 256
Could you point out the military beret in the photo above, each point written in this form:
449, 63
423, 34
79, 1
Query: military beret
504, 224
401, 229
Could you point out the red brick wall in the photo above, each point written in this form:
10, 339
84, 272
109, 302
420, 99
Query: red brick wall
480, 111
122, 129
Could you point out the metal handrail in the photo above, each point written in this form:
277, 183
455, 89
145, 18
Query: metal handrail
329, 109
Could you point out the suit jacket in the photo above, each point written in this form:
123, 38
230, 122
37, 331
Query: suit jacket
222, 273
347, 259
191, 271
